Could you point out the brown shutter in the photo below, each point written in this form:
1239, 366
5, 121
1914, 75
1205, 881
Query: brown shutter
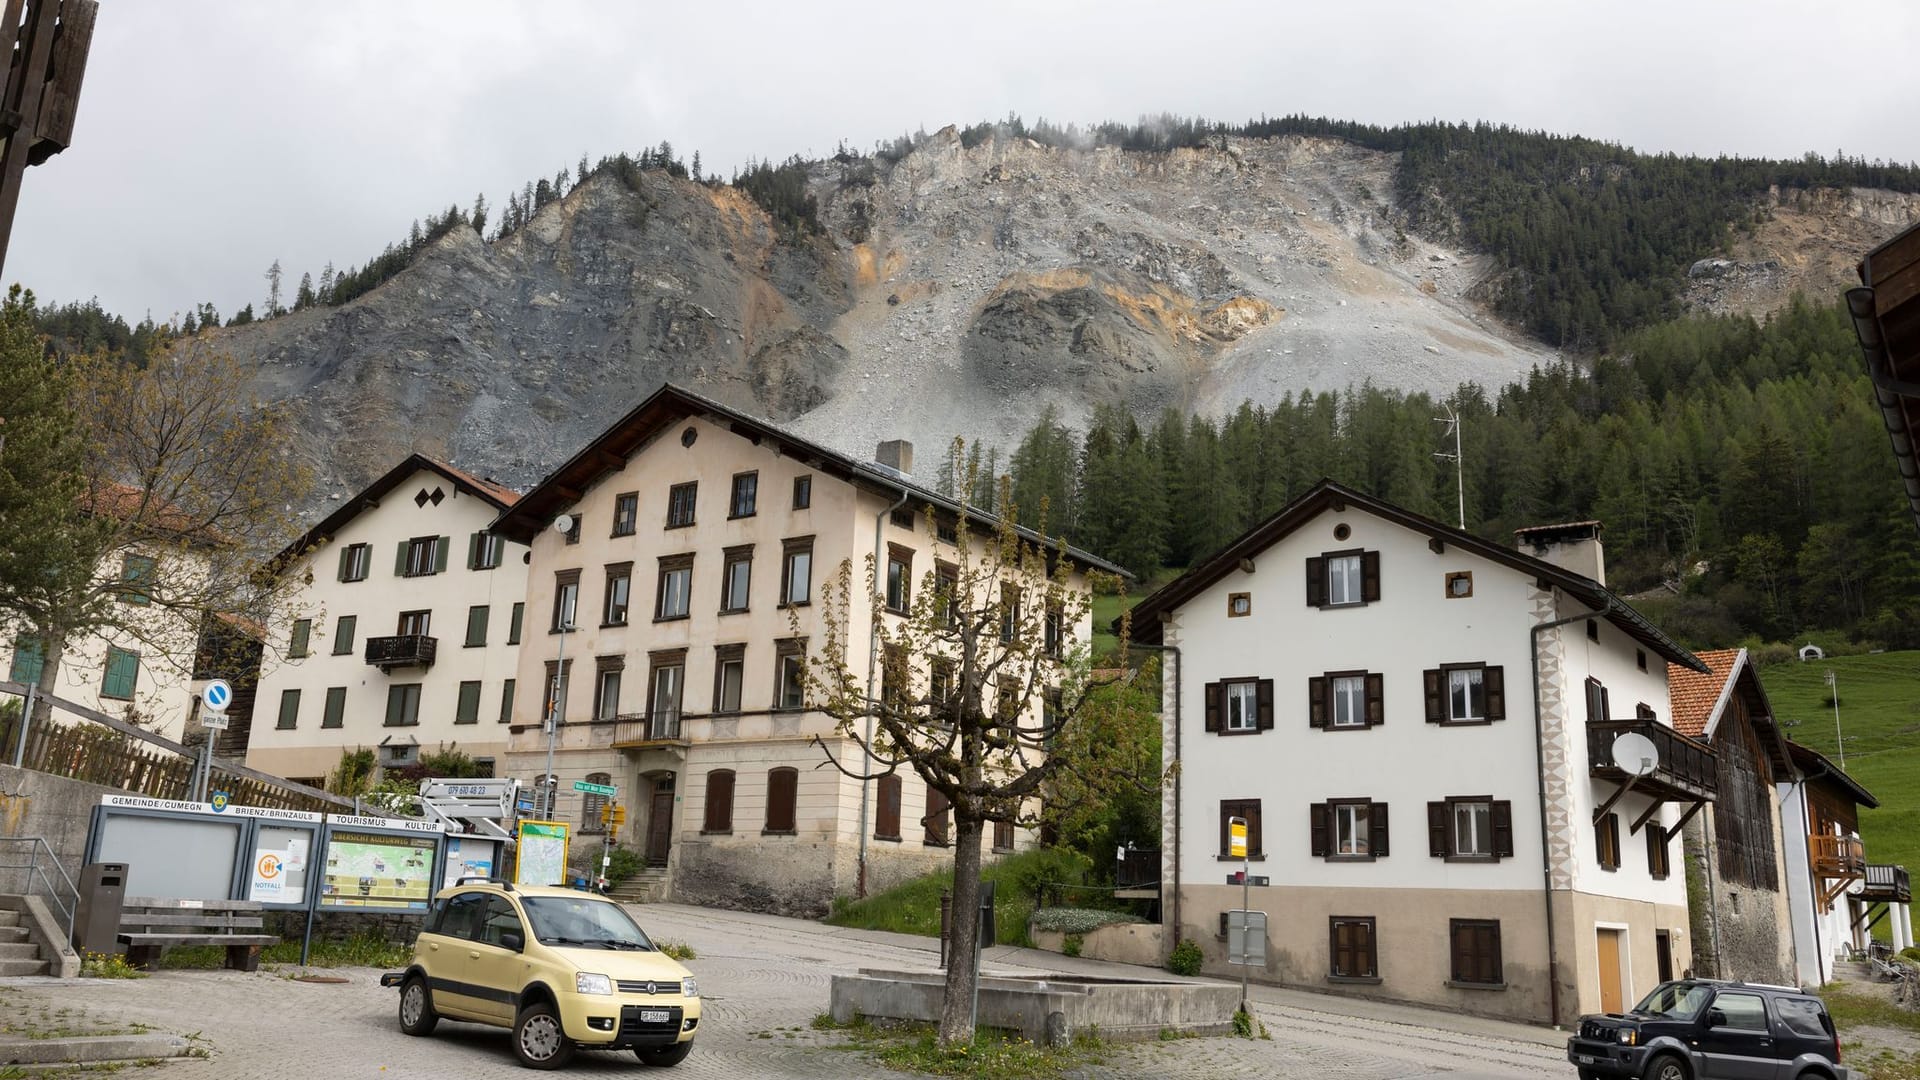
1003, 835
1436, 697
1264, 692
719, 802
1369, 576
936, 817
1496, 687
1377, 826
1317, 701
1316, 582
1438, 844
782, 792
887, 818
1317, 833
1376, 692
1251, 811
1656, 850
1228, 810
1502, 829
1213, 706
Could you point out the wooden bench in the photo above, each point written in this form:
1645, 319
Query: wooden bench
151, 925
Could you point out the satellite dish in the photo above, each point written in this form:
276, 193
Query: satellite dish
1635, 754
563, 523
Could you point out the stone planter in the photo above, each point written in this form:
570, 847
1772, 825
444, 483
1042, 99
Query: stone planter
1121, 943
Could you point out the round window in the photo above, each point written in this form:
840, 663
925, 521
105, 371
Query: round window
1341, 532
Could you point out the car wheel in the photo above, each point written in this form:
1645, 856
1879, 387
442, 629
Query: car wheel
539, 1040
1665, 1067
416, 1007
664, 1056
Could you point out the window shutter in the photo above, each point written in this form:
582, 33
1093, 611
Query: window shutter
1264, 691
473, 550
1376, 692
1495, 682
345, 553
1439, 844
1317, 834
1251, 810
1377, 826
440, 554
782, 789
400, 561
1656, 850
1502, 829
887, 823
1316, 582
1213, 706
396, 701
1317, 701
1436, 698
1369, 576
719, 801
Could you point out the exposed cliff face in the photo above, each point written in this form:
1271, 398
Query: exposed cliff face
1805, 241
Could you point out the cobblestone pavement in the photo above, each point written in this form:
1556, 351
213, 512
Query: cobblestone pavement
764, 980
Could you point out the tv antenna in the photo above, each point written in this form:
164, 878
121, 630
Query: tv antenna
1452, 420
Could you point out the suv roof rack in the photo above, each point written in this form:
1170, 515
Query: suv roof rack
1768, 986
504, 884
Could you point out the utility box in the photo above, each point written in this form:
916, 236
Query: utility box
103, 896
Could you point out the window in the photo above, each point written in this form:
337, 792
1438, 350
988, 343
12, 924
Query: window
899, 578
1343, 579
665, 690
289, 710
1053, 630
29, 660
790, 674
1475, 945
946, 529
403, 705
122, 674
1593, 630
1239, 605
619, 594
746, 489
1470, 827
136, 580
485, 550
558, 682
506, 701
1596, 700
343, 632
1247, 810
1346, 700
1466, 694
606, 686
935, 821
415, 624
1657, 865
466, 709
477, 626
1459, 585
1640, 659
1348, 829
335, 713
895, 678
593, 805
796, 571
566, 598
901, 518
1350, 951
513, 623
736, 579
421, 556
676, 587
1240, 706
939, 688
1009, 611
1801, 1016
680, 503
729, 674
802, 492
355, 560
626, 513
886, 815
1606, 839
1003, 836
946, 582
719, 802
301, 637
573, 531
1741, 1012
782, 793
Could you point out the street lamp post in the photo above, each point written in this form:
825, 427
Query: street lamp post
1839, 744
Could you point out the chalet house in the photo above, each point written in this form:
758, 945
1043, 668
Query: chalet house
1419, 728
689, 697
1744, 929
405, 636
1836, 895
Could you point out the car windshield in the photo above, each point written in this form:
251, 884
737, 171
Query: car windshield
566, 920
1678, 1000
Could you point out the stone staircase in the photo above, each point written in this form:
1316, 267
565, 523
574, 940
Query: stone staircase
18, 956
1852, 971
646, 887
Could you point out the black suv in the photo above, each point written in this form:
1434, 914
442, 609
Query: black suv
1705, 1029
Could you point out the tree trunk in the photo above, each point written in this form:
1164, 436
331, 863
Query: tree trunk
52, 649
956, 1008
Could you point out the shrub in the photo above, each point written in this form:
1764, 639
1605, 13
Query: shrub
1242, 1024
1071, 946
1185, 959
95, 965
623, 863
1078, 920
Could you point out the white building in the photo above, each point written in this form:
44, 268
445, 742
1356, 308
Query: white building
1832, 890
405, 636
1417, 723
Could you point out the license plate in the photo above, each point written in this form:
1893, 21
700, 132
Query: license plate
1584, 1059
661, 1016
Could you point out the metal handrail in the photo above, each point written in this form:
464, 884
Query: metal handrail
34, 846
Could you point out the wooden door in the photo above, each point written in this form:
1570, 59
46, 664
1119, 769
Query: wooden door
1610, 996
660, 828
1663, 953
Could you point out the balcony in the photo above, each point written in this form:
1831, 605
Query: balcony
635, 732
1885, 883
1837, 856
405, 650
1687, 771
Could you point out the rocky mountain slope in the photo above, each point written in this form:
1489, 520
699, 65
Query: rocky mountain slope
957, 291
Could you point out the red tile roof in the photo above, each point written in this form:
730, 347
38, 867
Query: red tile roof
1694, 696
493, 489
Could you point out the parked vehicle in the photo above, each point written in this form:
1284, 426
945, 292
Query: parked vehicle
1706, 1029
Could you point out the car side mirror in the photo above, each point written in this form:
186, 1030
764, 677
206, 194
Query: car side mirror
1716, 1018
513, 940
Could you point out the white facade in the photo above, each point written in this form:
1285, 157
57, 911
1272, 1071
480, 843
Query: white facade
403, 548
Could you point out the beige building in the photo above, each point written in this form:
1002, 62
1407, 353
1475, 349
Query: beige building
690, 573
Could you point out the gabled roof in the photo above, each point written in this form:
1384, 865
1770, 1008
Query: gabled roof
1327, 495
497, 495
1886, 320
672, 405
1815, 765
1700, 701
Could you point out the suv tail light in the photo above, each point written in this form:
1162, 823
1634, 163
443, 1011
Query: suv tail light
1836, 1049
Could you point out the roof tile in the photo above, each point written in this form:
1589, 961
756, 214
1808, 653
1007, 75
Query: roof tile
1694, 695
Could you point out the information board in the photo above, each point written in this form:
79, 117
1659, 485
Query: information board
378, 870
541, 857
470, 856
278, 874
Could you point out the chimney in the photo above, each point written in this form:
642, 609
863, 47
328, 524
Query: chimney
1572, 546
896, 454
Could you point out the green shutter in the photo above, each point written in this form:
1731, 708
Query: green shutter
336, 707
506, 702
513, 627
440, 550
477, 625
123, 674
468, 710
289, 710
396, 705
345, 557
400, 561
343, 634
29, 660
473, 551
302, 633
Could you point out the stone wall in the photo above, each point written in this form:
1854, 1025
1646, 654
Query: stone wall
54, 808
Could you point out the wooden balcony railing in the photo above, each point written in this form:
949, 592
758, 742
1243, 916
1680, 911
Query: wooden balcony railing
1687, 768
661, 727
1137, 869
1888, 883
405, 650
1837, 856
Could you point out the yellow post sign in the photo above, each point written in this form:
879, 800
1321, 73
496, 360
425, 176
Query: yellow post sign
617, 815
1237, 838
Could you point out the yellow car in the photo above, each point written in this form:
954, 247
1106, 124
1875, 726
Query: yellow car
562, 968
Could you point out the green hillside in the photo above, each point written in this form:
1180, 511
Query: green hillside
1880, 717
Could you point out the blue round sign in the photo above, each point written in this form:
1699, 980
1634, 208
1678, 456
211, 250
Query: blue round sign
217, 695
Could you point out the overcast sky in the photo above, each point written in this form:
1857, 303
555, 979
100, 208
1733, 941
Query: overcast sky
214, 138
